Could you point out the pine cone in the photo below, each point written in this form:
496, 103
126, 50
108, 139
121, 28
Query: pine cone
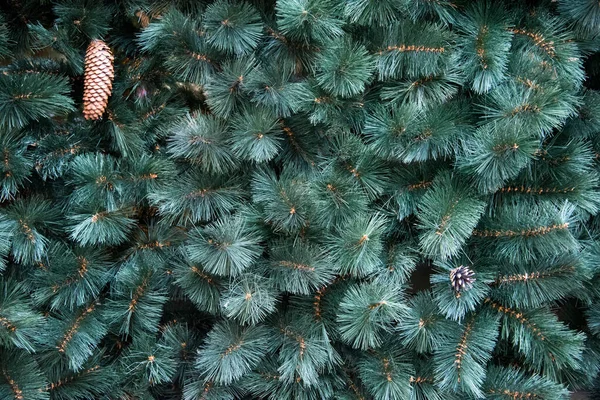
461, 278
99, 74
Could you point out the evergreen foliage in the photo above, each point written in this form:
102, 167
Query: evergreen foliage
301, 200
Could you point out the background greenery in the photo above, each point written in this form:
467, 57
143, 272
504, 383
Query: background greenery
272, 203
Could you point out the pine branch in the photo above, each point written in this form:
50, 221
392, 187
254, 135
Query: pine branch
527, 231
305, 352
357, 247
461, 359
16, 166
532, 285
20, 377
547, 344
27, 98
19, 321
225, 247
285, 201
197, 196
203, 141
510, 383
136, 305
309, 20
299, 268
200, 287
366, 312
485, 43
70, 278
256, 135
74, 335
386, 373
232, 27
249, 299
448, 213
231, 352
423, 329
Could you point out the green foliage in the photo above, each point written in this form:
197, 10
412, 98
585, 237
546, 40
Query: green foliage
496, 153
305, 351
225, 247
196, 196
201, 288
555, 47
415, 135
232, 27
151, 361
308, 20
19, 322
256, 136
386, 374
232, 351
443, 10
95, 379
505, 382
17, 164
344, 68
448, 213
285, 202
546, 343
70, 278
460, 361
174, 37
527, 231
299, 268
425, 90
367, 12
202, 140
276, 90
279, 195
7, 229
539, 111
27, 225
97, 225
584, 13
534, 284
135, 306
485, 43
357, 247
226, 92
409, 52
78, 333
248, 299
82, 19
338, 199
423, 329
5, 41
96, 180
21, 377
366, 312
30, 97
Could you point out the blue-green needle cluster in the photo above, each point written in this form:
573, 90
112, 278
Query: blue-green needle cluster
301, 200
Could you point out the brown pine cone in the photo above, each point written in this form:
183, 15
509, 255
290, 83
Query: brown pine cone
99, 74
